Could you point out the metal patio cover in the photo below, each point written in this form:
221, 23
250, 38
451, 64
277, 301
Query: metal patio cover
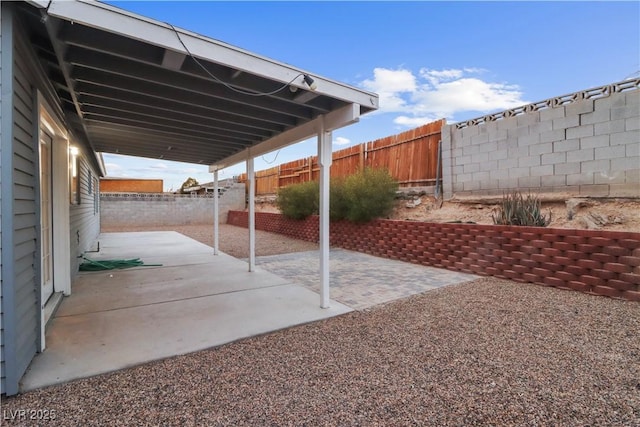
135, 86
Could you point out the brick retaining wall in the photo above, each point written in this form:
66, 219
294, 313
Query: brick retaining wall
591, 261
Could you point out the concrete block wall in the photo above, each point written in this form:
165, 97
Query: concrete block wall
588, 147
143, 210
591, 261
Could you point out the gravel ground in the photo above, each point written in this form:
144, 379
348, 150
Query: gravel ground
233, 240
488, 352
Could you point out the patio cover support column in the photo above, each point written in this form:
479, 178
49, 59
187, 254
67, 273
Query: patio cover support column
324, 159
252, 214
216, 213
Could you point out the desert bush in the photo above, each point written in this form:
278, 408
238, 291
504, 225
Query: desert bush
360, 197
338, 202
298, 201
515, 209
368, 194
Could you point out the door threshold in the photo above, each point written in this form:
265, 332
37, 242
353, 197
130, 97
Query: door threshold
51, 307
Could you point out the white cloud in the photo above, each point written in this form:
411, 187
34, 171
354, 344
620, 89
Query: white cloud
466, 94
414, 122
435, 94
340, 140
390, 85
436, 76
159, 166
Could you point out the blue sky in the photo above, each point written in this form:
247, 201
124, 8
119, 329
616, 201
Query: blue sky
427, 60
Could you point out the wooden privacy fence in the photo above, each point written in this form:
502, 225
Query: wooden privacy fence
411, 158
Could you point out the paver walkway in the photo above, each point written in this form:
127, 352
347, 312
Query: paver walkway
360, 280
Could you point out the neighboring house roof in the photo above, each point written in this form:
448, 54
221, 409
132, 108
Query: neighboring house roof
135, 86
209, 185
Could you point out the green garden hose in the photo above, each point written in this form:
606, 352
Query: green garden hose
113, 264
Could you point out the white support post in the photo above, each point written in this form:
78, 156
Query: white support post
324, 159
216, 213
252, 214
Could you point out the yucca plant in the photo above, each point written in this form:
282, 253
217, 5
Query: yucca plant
515, 209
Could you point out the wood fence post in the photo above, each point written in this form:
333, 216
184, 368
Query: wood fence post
278, 179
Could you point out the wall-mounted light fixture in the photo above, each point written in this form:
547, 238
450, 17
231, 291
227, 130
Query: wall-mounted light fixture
74, 164
309, 81
74, 181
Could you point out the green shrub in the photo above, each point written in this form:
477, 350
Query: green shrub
515, 209
359, 198
338, 203
369, 194
298, 201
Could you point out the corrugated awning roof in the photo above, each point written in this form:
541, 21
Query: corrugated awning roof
139, 87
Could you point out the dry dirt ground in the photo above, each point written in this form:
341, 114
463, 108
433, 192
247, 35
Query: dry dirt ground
576, 213
233, 241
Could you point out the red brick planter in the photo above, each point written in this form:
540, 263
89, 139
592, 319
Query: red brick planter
591, 261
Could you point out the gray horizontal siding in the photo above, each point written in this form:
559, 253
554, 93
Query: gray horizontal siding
2, 364
26, 316
83, 217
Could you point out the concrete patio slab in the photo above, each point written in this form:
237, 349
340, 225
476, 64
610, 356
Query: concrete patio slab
157, 247
149, 285
117, 319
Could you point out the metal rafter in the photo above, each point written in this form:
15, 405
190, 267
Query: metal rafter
113, 44
159, 100
128, 85
172, 88
142, 71
184, 116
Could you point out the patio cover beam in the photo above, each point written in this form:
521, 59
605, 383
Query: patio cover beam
336, 119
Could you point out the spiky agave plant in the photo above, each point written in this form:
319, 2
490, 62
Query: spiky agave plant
515, 209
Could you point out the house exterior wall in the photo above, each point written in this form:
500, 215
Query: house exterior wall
131, 185
583, 147
20, 312
85, 216
2, 367
20, 303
